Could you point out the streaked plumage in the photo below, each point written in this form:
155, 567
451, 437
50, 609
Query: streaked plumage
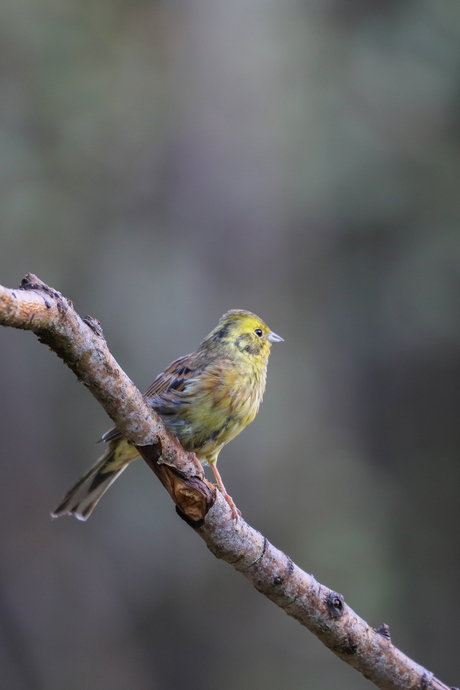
205, 399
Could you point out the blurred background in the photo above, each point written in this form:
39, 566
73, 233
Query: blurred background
161, 163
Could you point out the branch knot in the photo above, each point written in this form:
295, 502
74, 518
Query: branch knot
335, 605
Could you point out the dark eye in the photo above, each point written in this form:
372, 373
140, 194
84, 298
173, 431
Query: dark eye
259, 332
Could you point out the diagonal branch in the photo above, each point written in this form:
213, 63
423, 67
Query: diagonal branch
81, 345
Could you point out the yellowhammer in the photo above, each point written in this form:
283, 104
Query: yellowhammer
205, 399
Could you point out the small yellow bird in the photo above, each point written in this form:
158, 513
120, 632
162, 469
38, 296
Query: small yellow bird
205, 399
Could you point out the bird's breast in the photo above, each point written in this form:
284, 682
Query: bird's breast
224, 404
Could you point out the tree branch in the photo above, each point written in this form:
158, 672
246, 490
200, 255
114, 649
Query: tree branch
81, 345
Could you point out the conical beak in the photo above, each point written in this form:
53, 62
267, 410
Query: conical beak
273, 338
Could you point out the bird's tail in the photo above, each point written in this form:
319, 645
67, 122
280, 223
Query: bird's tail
83, 497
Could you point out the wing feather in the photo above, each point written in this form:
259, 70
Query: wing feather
174, 378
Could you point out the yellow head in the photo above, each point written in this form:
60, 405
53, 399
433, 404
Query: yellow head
240, 333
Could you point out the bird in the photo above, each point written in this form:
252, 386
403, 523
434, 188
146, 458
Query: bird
205, 399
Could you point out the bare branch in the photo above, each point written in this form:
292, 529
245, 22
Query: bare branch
80, 343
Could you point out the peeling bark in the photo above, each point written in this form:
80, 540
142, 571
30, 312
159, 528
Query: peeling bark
80, 344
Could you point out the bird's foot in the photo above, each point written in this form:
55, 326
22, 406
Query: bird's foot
197, 464
228, 498
235, 511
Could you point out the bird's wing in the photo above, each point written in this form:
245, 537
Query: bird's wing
175, 377
167, 387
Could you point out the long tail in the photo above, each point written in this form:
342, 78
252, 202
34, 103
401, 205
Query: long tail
83, 497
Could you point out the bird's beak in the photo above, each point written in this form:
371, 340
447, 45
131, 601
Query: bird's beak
273, 338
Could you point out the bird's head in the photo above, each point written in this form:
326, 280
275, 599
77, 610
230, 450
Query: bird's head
240, 333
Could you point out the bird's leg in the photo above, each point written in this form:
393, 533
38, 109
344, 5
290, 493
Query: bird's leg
197, 464
223, 491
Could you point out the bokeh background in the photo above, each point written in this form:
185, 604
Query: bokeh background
162, 162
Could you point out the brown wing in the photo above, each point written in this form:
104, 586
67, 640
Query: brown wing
175, 377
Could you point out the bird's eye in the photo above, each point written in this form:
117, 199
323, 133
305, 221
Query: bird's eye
259, 332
